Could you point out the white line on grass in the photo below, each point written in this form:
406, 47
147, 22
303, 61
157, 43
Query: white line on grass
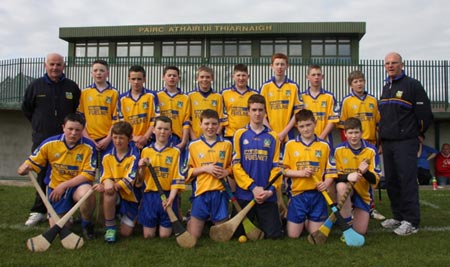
429, 204
421, 229
20, 227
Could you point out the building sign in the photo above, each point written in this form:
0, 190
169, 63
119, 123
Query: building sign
216, 28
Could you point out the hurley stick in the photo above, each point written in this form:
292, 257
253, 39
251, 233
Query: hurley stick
69, 240
42, 242
183, 237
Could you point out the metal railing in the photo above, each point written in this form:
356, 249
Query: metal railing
16, 74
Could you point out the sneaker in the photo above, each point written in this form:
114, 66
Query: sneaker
35, 218
377, 215
111, 235
405, 229
390, 223
88, 231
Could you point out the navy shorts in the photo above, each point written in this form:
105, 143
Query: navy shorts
210, 205
152, 213
309, 205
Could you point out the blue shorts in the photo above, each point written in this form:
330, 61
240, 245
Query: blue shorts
66, 202
308, 205
152, 213
359, 203
210, 205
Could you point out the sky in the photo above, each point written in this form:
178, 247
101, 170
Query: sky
417, 29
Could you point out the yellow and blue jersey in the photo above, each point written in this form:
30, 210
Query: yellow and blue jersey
316, 155
200, 154
166, 163
282, 102
99, 109
236, 108
177, 108
255, 161
364, 108
141, 112
122, 171
348, 160
323, 106
199, 102
63, 162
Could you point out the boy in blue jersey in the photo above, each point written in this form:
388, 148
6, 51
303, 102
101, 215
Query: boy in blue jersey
255, 162
117, 180
165, 159
309, 170
357, 162
71, 161
209, 161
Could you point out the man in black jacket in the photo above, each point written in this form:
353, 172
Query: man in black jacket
405, 114
46, 103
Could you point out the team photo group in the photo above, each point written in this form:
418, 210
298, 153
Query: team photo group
257, 163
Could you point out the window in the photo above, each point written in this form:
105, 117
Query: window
287, 47
331, 50
92, 49
230, 48
182, 48
135, 49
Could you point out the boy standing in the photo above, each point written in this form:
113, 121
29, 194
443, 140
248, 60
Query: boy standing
281, 96
357, 162
204, 98
139, 107
209, 161
71, 157
307, 160
165, 159
117, 180
255, 163
235, 100
98, 105
321, 102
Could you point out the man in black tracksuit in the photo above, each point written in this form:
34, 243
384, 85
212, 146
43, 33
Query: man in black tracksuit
46, 103
405, 113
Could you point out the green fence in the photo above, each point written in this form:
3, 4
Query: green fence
16, 74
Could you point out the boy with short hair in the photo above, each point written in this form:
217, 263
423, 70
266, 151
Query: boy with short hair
203, 98
281, 96
98, 105
165, 159
117, 180
138, 106
71, 159
209, 161
309, 170
321, 102
235, 100
357, 161
255, 163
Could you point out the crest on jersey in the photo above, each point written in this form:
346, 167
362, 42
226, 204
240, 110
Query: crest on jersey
179, 104
222, 154
399, 94
169, 160
323, 104
145, 105
79, 157
288, 92
267, 142
214, 103
108, 100
318, 154
69, 95
371, 106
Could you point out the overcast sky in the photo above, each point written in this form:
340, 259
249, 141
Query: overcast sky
417, 29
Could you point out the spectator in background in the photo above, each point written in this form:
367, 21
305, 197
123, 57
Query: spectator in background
424, 155
442, 166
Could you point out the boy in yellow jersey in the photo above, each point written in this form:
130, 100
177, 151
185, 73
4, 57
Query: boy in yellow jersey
203, 98
138, 106
281, 95
235, 100
307, 160
321, 102
71, 160
117, 180
209, 161
357, 161
361, 105
174, 104
165, 159
98, 105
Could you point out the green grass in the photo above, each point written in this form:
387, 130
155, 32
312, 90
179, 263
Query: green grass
382, 248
